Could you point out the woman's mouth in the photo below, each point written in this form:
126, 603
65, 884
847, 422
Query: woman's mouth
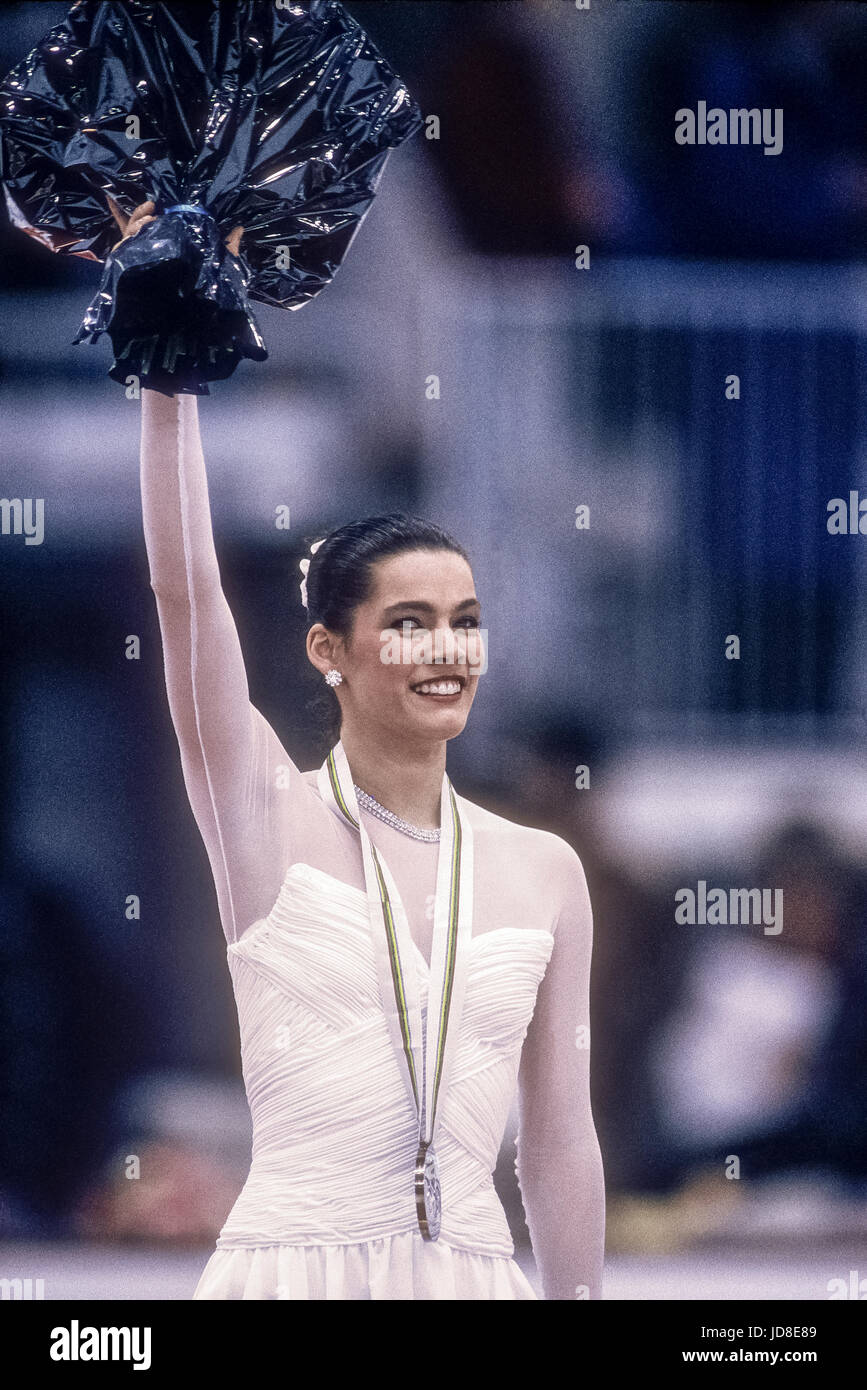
439, 690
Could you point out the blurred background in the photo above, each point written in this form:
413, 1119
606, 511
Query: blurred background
560, 388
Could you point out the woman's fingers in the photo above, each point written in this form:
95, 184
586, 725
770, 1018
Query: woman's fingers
233, 240
126, 223
116, 213
130, 225
143, 213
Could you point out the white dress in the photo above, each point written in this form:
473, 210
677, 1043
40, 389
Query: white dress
328, 1209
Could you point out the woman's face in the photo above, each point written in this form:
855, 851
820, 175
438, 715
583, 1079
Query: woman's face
415, 653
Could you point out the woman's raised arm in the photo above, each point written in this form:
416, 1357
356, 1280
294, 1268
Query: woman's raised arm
229, 753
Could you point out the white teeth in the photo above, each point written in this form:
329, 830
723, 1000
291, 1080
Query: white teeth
438, 688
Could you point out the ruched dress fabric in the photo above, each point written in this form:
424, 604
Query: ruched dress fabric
328, 1209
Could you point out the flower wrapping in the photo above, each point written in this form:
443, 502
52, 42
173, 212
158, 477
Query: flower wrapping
274, 115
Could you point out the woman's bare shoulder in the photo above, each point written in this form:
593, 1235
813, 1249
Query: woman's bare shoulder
500, 832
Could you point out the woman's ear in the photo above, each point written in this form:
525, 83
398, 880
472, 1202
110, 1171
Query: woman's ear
322, 648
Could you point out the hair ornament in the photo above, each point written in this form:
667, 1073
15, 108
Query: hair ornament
304, 566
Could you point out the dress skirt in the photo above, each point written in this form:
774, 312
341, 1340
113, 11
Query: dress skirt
402, 1266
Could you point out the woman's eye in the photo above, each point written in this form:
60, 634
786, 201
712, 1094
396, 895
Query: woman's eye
404, 622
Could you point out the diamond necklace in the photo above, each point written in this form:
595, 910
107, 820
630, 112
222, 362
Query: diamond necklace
371, 804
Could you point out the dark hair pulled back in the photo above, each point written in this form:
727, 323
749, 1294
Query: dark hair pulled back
339, 577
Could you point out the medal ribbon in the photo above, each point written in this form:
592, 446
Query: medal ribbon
425, 1068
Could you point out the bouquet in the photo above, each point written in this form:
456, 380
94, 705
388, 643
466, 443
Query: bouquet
275, 116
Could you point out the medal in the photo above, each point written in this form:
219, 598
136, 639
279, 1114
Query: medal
425, 1060
428, 1199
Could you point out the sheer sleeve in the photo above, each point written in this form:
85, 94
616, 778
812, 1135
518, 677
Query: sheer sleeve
238, 776
559, 1164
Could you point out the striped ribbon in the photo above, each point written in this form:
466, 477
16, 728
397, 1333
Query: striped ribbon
452, 929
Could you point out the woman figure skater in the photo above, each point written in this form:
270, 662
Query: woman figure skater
353, 942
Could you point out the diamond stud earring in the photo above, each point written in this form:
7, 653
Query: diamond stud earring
333, 676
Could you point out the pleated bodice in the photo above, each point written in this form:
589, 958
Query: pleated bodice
334, 1130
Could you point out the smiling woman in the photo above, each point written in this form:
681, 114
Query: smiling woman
394, 614
401, 957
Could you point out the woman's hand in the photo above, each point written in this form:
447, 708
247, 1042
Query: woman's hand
130, 225
145, 212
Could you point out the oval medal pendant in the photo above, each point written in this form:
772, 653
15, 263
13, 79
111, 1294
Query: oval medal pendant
428, 1200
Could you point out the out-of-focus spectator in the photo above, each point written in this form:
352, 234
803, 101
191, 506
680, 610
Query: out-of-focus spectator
764, 1059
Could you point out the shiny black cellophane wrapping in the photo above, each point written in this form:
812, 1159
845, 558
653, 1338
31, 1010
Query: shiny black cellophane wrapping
277, 117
